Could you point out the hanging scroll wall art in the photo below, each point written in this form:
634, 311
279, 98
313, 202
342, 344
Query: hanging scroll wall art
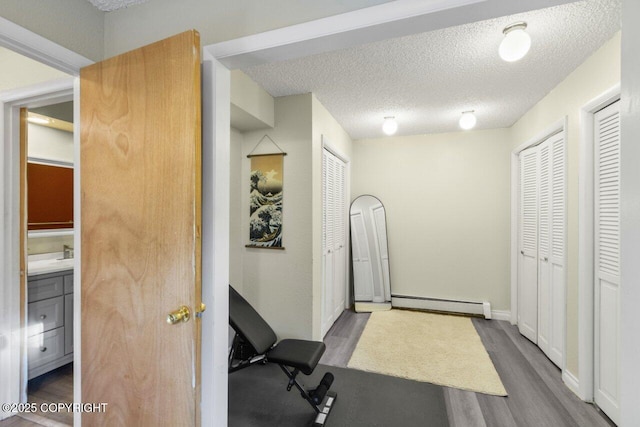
265, 200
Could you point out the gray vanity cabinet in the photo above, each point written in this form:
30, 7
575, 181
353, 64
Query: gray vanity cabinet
49, 321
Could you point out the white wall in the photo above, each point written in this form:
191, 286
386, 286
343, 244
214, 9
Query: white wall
252, 107
447, 203
74, 24
598, 73
278, 283
50, 144
236, 201
19, 71
324, 125
630, 211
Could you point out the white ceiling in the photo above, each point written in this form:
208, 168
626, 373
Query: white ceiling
427, 80
110, 5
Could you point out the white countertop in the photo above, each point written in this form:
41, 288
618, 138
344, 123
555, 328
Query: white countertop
48, 263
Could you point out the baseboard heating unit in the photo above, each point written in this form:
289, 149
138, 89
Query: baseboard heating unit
445, 305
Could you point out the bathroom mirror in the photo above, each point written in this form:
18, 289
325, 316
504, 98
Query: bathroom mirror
370, 254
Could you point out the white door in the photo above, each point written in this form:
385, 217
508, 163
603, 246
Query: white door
334, 238
340, 239
607, 259
544, 221
528, 258
551, 252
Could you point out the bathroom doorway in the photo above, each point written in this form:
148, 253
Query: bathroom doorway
47, 195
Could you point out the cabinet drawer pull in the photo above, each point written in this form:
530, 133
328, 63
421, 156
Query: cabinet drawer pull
43, 349
44, 316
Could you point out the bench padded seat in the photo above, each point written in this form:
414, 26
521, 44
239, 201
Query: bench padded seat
301, 354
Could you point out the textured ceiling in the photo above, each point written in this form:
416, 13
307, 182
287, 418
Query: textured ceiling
109, 5
426, 81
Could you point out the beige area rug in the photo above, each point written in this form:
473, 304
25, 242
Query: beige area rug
434, 348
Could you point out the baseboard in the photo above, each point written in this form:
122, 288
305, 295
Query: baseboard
501, 315
435, 304
571, 382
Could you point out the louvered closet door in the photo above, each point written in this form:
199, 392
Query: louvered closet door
334, 238
551, 248
607, 259
544, 223
528, 258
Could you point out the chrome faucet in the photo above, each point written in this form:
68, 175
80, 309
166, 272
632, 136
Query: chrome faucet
67, 252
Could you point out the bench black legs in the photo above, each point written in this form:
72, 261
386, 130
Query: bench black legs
315, 397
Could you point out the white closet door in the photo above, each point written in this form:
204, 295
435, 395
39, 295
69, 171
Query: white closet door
556, 256
528, 260
334, 238
340, 239
607, 260
551, 250
544, 222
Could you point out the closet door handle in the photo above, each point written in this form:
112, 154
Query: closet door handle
522, 252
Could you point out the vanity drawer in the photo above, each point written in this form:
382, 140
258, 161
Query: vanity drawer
68, 284
46, 347
45, 315
47, 287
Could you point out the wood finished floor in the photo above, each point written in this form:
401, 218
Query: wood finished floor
537, 395
53, 387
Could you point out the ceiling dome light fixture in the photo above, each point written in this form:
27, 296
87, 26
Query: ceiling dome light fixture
467, 120
390, 126
516, 42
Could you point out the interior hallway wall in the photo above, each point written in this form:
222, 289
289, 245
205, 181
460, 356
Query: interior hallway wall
236, 193
278, 283
447, 203
598, 73
74, 24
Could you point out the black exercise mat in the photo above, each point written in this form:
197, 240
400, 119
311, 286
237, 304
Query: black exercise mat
258, 397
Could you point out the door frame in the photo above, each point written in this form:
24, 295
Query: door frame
36, 47
586, 284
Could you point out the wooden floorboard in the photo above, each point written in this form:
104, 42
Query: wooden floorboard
53, 387
343, 337
537, 396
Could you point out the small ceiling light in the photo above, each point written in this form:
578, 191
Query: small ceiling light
467, 120
38, 120
516, 42
390, 126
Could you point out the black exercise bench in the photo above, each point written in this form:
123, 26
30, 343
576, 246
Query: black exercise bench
255, 342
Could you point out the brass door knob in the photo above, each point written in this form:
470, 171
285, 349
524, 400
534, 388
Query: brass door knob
180, 315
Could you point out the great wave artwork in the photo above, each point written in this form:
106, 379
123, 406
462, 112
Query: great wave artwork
265, 201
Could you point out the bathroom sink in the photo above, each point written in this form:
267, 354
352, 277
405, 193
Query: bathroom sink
48, 263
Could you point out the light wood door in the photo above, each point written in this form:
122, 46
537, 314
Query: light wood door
607, 260
141, 219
